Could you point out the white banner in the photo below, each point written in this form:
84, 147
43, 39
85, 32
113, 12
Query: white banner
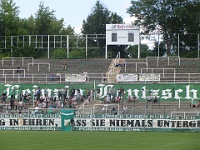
126, 77
75, 77
135, 123
30, 123
149, 77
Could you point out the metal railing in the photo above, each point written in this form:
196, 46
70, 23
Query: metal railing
38, 64
168, 59
15, 72
136, 65
13, 59
163, 71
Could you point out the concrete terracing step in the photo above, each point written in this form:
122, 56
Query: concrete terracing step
114, 69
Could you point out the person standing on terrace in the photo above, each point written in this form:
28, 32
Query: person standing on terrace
104, 78
64, 66
52, 76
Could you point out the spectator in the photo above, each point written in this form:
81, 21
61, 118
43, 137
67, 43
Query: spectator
52, 76
64, 66
124, 109
113, 110
130, 98
36, 110
45, 93
118, 65
65, 94
44, 104
113, 93
16, 103
35, 94
60, 93
104, 78
12, 102
103, 109
117, 99
58, 76
84, 93
121, 93
20, 106
110, 93
98, 93
135, 98
4, 96
72, 123
126, 64
149, 98
194, 104
38, 94
155, 99
91, 94
72, 92
106, 99
86, 76
198, 104
78, 96
18, 70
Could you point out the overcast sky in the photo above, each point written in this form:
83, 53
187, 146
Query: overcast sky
73, 11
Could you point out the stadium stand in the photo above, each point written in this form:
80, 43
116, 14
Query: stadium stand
170, 69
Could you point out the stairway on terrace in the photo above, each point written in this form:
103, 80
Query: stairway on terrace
114, 69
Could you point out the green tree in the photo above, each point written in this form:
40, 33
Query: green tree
26, 51
67, 30
97, 20
190, 21
46, 22
168, 17
161, 49
96, 24
27, 26
8, 18
144, 51
115, 19
9, 24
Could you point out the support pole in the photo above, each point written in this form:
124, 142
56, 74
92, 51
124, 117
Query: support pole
48, 46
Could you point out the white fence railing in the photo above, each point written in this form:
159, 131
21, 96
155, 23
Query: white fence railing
163, 70
14, 72
13, 59
184, 114
38, 65
164, 58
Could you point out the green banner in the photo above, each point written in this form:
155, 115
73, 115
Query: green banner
67, 119
169, 92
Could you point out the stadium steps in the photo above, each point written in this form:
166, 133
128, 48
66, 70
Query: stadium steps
113, 70
77, 66
100, 66
142, 107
